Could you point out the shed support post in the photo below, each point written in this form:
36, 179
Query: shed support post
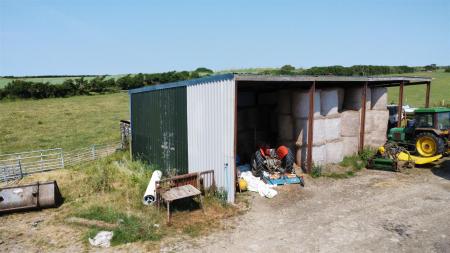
400, 105
312, 91
427, 96
362, 121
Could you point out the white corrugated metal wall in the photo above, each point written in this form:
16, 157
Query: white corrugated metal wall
210, 116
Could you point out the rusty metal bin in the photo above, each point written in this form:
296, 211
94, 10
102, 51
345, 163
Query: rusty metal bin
27, 197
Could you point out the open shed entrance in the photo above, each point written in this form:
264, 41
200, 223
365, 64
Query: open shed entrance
278, 113
263, 117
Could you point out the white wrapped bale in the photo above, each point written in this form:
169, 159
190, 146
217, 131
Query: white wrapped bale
284, 102
352, 98
300, 104
252, 117
379, 98
301, 132
300, 156
269, 98
374, 139
331, 101
246, 143
332, 128
350, 123
349, 145
285, 127
247, 118
246, 99
241, 120
334, 151
376, 121
318, 155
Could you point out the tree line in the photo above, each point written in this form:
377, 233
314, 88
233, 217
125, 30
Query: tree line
356, 70
100, 84
81, 85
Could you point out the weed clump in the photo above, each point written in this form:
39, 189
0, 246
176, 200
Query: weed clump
316, 170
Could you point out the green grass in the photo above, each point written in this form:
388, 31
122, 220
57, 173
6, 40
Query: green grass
68, 123
52, 80
415, 95
130, 227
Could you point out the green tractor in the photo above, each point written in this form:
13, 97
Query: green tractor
427, 134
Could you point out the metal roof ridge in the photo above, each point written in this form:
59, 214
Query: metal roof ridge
182, 83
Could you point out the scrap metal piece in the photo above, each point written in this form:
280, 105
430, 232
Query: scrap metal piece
28, 197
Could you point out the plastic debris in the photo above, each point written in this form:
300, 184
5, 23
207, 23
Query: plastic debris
255, 184
102, 239
150, 193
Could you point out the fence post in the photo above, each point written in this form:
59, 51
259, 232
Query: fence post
20, 166
93, 152
62, 158
42, 162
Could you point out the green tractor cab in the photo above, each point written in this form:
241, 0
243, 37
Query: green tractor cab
427, 134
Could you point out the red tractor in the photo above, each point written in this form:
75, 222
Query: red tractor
272, 160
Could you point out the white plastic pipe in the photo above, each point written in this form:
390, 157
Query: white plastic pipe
150, 193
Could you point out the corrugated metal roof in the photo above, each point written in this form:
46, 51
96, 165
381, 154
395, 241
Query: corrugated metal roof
328, 78
208, 79
287, 78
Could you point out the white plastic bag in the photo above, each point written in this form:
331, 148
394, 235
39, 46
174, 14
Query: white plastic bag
102, 239
255, 184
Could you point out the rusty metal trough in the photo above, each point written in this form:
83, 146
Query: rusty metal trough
28, 197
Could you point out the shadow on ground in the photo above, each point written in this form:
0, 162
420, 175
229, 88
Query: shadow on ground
442, 170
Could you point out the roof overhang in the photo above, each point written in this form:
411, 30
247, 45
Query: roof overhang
297, 80
385, 81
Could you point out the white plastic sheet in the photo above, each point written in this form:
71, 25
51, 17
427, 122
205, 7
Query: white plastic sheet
102, 239
255, 184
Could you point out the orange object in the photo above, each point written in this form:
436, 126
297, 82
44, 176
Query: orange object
282, 151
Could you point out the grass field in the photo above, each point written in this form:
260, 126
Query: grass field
61, 122
80, 121
415, 95
51, 80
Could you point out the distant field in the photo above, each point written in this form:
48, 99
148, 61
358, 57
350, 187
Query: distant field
52, 80
83, 120
61, 122
415, 95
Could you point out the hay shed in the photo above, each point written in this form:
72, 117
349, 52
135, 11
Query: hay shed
206, 123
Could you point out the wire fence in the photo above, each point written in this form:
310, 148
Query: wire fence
15, 166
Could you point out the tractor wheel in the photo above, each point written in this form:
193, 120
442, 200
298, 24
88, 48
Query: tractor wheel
428, 144
257, 164
289, 162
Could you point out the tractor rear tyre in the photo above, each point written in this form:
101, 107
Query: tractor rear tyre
258, 164
428, 144
289, 161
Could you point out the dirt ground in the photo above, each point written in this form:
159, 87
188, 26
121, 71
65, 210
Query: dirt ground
375, 211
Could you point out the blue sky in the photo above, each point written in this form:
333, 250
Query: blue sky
112, 37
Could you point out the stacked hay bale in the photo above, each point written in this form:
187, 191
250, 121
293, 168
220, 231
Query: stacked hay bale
248, 118
377, 117
331, 102
285, 119
337, 115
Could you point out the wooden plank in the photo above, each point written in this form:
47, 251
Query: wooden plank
180, 192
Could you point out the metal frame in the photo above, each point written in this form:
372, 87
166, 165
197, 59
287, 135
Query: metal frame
362, 126
400, 104
312, 91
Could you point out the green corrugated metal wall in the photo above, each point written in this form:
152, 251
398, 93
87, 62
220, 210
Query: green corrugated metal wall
159, 128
